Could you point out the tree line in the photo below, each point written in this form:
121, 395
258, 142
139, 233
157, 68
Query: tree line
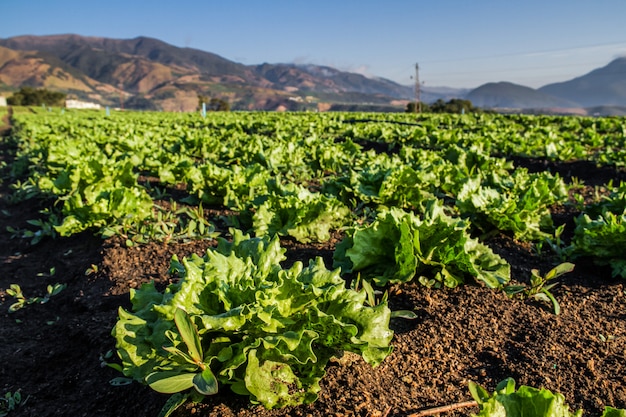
455, 105
29, 96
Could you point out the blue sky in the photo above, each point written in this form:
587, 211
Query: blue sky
456, 43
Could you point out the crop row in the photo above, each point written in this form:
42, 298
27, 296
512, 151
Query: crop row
304, 175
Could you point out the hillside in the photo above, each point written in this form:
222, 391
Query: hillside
327, 79
99, 57
34, 68
149, 73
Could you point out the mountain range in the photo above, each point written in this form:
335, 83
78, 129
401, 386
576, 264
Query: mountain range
602, 90
146, 73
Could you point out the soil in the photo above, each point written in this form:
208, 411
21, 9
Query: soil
51, 352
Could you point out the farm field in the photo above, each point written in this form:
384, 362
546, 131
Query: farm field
448, 215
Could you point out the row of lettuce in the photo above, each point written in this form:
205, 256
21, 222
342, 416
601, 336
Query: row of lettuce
307, 175
412, 201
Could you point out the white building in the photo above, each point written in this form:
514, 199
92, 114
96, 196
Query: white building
77, 104
3, 101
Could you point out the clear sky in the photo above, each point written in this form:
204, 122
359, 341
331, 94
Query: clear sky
456, 43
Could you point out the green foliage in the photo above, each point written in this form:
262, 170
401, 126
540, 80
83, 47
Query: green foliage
96, 194
614, 203
518, 202
603, 239
613, 412
172, 224
44, 228
304, 215
15, 291
525, 401
413, 107
539, 287
454, 105
436, 248
10, 402
28, 96
103, 206
91, 164
213, 103
268, 320
600, 232
265, 331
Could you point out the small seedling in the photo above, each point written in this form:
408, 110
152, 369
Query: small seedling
557, 245
104, 361
9, 402
606, 339
44, 229
165, 225
48, 274
15, 291
539, 287
93, 269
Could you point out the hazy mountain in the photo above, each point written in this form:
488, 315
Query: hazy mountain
600, 92
509, 95
603, 86
318, 78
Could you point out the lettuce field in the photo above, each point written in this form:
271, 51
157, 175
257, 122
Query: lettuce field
311, 264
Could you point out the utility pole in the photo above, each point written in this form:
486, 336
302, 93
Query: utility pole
418, 103
121, 87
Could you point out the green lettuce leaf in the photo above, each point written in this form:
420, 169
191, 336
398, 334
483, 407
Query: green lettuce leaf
613, 412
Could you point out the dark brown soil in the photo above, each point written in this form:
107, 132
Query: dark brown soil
51, 352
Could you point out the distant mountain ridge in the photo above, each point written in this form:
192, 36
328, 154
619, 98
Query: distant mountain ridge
147, 73
601, 91
601, 87
509, 95
308, 76
145, 70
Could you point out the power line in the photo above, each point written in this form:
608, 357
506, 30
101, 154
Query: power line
528, 53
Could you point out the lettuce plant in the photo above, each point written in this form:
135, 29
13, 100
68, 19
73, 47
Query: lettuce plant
526, 401
516, 202
603, 239
304, 215
236, 318
435, 248
96, 194
600, 232
539, 288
